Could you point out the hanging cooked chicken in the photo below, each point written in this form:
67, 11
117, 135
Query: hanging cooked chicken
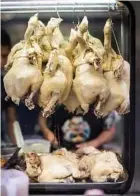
117, 73
101, 77
57, 82
24, 77
89, 84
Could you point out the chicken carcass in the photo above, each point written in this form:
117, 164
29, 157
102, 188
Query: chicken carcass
106, 167
59, 167
57, 82
89, 84
117, 73
24, 77
101, 166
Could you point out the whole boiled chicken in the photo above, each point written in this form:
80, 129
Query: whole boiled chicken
101, 166
59, 167
24, 77
57, 82
89, 84
117, 73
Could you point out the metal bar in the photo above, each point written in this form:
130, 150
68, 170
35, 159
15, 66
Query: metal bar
43, 11
62, 6
59, 2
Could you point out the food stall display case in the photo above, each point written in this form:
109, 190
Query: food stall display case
122, 15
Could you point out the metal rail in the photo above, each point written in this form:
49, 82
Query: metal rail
61, 6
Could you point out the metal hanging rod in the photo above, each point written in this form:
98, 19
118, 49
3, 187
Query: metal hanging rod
62, 6
58, 2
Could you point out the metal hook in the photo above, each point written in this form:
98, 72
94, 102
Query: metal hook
109, 10
78, 20
84, 10
110, 16
57, 10
73, 12
38, 8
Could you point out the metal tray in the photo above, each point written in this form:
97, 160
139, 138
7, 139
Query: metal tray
74, 188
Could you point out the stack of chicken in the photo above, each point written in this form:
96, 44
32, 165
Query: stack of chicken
77, 73
64, 166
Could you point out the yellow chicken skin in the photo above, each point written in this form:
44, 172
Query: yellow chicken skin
57, 82
89, 83
117, 73
25, 77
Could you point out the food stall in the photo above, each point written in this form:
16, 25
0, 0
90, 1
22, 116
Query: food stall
102, 19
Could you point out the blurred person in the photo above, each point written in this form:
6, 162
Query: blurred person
28, 121
7, 107
77, 131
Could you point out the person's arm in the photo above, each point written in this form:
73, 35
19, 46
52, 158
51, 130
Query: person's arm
11, 118
106, 135
48, 134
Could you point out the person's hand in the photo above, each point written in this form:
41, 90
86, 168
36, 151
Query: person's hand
94, 143
51, 137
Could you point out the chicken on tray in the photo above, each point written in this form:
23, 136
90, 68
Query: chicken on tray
78, 73
101, 166
64, 166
